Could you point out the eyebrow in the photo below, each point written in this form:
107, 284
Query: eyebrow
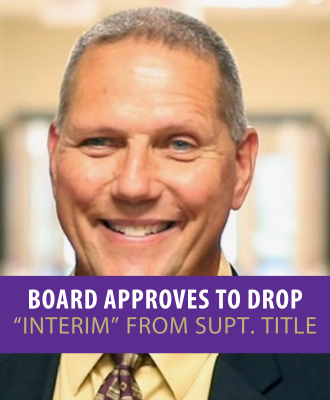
182, 127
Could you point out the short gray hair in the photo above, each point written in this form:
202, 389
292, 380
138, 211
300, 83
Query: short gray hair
176, 31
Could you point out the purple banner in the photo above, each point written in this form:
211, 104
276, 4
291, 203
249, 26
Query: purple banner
165, 314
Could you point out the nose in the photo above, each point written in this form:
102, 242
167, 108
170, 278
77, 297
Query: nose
135, 180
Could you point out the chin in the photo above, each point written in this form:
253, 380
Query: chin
124, 270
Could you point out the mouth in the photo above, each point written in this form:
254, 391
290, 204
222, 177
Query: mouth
140, 230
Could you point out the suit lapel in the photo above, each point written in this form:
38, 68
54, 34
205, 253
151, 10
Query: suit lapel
50, 376
244, 376
233, 270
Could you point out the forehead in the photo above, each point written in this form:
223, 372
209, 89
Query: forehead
144, 74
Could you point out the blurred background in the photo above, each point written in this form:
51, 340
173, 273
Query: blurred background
283, 49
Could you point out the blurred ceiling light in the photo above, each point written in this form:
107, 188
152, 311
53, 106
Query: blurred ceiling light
69, 12
247, 3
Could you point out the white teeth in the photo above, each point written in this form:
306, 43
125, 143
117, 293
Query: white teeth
138, 231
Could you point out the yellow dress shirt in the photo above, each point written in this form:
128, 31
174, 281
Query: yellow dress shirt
172, 377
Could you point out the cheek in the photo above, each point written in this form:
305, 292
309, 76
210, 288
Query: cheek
193, 189
79, 182
206, 184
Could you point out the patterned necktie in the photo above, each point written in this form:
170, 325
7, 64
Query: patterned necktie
120, 384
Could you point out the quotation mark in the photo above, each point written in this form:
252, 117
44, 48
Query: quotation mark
114, 320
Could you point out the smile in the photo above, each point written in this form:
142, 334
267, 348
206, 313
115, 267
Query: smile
138, 230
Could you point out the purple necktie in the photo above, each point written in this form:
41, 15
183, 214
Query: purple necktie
120, 383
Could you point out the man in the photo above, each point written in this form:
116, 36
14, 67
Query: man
149, 152
150, 149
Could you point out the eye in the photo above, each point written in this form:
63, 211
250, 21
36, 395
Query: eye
99, 146
97, 142
181, 145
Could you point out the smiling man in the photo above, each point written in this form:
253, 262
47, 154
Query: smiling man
149, 152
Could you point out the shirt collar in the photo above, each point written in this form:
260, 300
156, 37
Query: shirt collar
189, 365
79, 367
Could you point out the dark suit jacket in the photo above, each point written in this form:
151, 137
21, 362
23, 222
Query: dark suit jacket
236, 377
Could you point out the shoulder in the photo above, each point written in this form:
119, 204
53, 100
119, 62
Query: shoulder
275, 376
307, 374
28, 376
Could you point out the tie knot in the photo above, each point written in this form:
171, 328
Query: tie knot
128, 361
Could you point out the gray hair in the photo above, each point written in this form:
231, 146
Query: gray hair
176, 31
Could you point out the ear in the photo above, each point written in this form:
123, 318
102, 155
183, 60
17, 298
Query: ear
246, 153
53, 139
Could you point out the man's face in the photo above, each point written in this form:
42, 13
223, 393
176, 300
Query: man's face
144, 172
